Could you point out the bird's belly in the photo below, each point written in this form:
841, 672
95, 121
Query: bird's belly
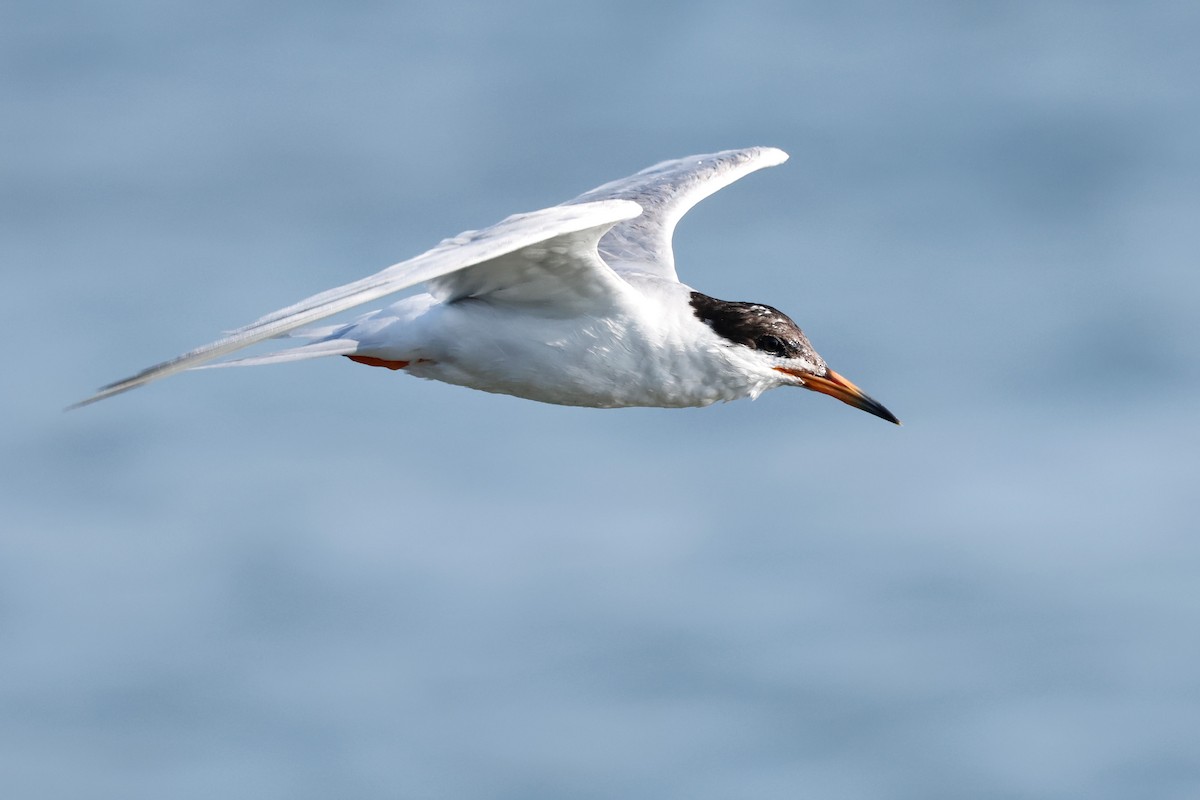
601, 364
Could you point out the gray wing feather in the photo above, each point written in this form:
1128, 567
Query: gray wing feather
560, 225
665, 192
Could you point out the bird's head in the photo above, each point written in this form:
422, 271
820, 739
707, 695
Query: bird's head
771, 344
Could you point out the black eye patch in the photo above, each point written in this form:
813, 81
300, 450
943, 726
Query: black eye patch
753, 325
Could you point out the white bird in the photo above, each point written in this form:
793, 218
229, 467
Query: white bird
577, 304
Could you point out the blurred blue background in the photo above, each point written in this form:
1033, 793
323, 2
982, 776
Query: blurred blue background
320, 580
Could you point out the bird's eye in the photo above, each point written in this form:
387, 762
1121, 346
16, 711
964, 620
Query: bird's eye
771, 344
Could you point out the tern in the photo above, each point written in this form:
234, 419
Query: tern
577, 304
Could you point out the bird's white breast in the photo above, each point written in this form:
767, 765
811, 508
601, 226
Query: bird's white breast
647, 351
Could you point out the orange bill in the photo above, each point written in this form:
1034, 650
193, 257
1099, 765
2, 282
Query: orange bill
838, 387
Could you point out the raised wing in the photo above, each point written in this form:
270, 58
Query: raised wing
546, 256
665, 192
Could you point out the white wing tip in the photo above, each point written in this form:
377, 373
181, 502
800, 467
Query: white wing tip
758, 156
736, 163
772, 156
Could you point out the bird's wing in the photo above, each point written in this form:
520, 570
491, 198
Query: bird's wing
548, 257
665, 192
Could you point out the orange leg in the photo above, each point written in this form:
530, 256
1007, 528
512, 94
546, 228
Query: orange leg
371, 361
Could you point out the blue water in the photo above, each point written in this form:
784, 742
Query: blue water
320, 580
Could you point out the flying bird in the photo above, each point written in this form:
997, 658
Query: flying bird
577, 304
